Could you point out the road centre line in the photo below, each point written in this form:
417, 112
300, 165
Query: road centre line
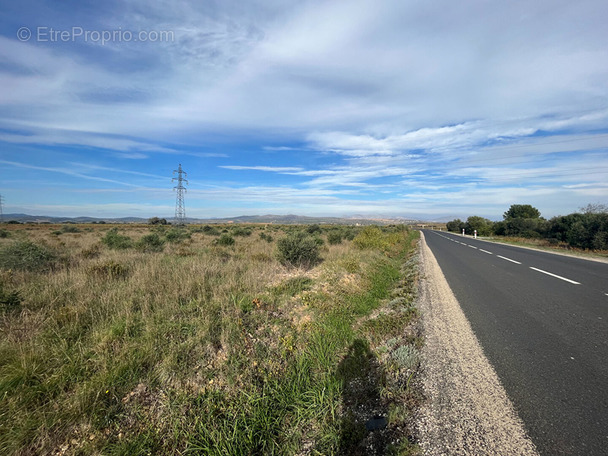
555, 275
473, 247
485, 251
508, 259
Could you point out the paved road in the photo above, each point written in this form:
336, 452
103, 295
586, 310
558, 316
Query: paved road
542, 320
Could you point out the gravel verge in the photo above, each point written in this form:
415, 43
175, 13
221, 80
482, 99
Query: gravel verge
467, 410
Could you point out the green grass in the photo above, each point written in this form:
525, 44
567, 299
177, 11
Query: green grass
199, 349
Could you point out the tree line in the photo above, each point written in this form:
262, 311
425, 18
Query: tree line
586, 229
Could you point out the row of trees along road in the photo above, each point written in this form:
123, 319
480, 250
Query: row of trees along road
587, 229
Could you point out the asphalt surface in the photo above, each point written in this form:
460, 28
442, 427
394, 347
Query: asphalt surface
542, 321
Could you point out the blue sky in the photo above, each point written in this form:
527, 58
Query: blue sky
375, 108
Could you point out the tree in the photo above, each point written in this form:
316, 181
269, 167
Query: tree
524, 211
455, 225
157, 221
596, 208
483, 226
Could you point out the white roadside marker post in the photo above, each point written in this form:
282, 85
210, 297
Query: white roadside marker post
475, 234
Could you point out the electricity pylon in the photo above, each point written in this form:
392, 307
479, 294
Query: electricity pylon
180, 208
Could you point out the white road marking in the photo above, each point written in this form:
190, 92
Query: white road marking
485, 251
508, 259
473, 247
556, 276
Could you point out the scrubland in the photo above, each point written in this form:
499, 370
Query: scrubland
219, 340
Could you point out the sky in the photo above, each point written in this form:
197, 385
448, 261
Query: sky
384, 108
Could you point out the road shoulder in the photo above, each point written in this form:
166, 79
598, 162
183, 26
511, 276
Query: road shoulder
467, 410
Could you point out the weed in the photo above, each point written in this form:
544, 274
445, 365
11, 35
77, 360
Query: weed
4, 233
406, 356
266, 237
109, 269
293, 286
91, 252
9, 300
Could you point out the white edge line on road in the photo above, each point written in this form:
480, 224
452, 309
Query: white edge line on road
485, 251
508, 259
556, 276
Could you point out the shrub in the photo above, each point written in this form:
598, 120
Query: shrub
371, 238
70, 229
334, 238
313, 229
177, 235
26, 255
117, 241
4, 234
298, 249
239, 231
225, 239
150, 243
210, 230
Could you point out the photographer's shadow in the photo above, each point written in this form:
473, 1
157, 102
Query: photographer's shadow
364, 417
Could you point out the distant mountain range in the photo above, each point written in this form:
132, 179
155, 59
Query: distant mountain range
289, 219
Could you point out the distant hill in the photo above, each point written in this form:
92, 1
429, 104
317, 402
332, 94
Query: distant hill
289, 219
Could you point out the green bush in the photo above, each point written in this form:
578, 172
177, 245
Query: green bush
4, 234
225, 239
334, 238
371, 238
26, 255
313, 229
150, 243
177, 235
210, 230
240, 231
117, 241
298, 249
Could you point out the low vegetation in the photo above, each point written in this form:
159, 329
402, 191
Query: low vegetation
132, 340
587, 229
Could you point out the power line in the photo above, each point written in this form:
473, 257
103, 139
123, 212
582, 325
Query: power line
180, 208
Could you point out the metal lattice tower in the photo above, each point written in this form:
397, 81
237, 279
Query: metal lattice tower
1, 215
180, 208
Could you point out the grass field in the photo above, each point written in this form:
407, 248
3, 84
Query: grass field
132, 339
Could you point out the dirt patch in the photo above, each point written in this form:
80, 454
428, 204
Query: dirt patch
467, 411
